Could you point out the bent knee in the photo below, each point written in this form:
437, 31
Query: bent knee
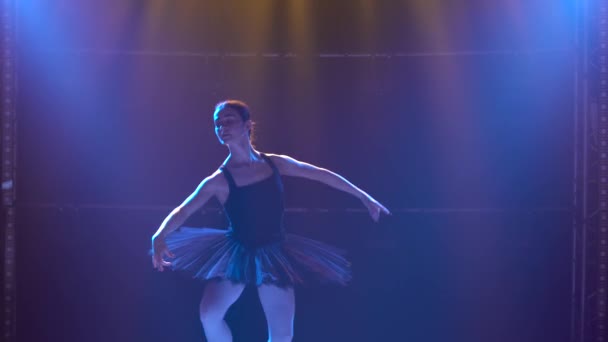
210, 315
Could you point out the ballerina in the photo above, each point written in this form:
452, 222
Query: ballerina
255, 250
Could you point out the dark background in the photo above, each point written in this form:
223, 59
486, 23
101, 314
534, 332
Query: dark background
457, 115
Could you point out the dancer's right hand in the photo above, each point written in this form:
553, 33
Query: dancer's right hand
159, 247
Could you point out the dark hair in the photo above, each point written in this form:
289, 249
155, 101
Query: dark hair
240, 107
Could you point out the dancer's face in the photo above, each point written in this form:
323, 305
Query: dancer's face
229, 126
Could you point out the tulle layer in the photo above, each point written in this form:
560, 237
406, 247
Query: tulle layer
208, 253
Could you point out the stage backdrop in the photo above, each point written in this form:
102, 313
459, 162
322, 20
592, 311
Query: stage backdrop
457, 116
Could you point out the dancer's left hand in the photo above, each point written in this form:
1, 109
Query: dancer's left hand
375, 208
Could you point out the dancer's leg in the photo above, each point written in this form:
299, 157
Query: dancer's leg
279, 306
217, 298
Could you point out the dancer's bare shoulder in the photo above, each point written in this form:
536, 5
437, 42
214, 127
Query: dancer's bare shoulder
213, 185
216, 185
282, 162
289, 166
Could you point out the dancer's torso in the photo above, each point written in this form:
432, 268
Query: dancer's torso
255, 210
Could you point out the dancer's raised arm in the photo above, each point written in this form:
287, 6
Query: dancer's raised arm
289, 166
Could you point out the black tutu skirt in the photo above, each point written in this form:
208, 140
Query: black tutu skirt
208, 253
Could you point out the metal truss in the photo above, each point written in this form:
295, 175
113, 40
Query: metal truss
590, 226
9, 147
